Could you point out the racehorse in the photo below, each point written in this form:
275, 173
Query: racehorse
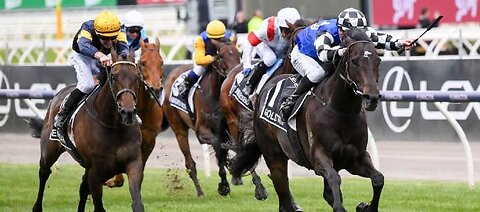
150, 111
106, 135
208, 122
238, 118
331, 127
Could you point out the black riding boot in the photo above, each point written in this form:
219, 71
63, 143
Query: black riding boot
190, 78
258, 71
287, 104
68, 104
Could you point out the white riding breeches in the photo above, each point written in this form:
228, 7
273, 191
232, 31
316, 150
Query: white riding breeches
306, 66
85, 67
199, 70
267, 54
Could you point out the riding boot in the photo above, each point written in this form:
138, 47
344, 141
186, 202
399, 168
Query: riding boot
68, 104
258, 71
287, 105
188, 79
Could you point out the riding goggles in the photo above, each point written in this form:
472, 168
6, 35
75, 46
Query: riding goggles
107, 38
134, 29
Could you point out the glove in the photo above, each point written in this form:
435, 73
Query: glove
246, 71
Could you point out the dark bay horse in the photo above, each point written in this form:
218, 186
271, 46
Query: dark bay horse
331, 127
208, 122
150, 111
106, 135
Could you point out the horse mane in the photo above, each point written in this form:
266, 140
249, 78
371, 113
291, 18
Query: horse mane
355, 34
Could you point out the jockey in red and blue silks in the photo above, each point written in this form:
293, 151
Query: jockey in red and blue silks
320, 44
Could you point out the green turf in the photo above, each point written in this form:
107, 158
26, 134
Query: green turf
172, 190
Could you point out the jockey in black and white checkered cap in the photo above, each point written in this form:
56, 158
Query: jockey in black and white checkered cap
320, 44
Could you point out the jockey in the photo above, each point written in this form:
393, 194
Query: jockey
271, 41
320, 44
92, 43
133, 24
204, 53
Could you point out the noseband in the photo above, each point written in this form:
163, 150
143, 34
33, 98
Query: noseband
125, 90
346, 75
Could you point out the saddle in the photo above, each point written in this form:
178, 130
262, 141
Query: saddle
241, 80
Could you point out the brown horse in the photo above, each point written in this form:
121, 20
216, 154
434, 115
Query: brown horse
150, 111
106, 134
331, 127
208, 122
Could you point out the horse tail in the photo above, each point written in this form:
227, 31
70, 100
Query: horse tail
35, 125
245, 160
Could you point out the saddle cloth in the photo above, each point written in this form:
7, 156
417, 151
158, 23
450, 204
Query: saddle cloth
270, 107
241, 80
180, 102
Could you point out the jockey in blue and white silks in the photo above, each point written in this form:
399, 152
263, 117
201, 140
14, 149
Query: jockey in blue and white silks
320, 44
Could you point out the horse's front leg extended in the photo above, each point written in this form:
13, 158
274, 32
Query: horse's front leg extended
323, 166
84, 192
364, 167
135, 177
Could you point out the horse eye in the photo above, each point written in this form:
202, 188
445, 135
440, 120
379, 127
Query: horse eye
355, 61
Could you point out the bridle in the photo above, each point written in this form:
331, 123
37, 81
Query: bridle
124, 90
149, 88
345, 76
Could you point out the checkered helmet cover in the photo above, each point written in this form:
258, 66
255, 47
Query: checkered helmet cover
351, 17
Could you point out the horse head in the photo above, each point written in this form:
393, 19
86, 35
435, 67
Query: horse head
360, 64
151, 66
227, 57
124, 80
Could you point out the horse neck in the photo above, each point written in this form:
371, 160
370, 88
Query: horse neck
214, 81
341, 96
106, 107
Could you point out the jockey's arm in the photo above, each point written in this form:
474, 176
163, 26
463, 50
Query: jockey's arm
199, 56
386, 41
325, 51
84, 41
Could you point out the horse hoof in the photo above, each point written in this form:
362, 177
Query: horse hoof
261, 194
200, 194
223, 189
237, 181
113, 183
363, 206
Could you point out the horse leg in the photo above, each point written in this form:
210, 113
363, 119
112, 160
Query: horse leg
364, 167
190, 165
95, 186
51, 151
221, 155
84, 192
278, 174
260, 191
331, 192
135, 177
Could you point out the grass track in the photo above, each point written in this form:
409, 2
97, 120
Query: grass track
172, 190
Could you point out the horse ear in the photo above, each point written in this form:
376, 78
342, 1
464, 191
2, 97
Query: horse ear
157, 42
216, 43
235, 39
291, 26
142, 44
131, 55
113, 53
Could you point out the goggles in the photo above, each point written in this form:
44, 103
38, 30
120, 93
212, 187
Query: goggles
105, 38
134, 29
